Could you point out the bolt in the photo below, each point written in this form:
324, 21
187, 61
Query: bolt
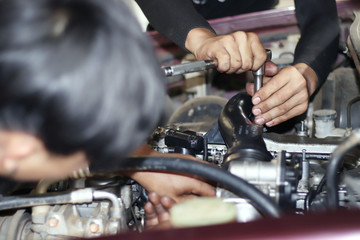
53, 222
94, 228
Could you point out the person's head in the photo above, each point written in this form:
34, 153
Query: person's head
79, 82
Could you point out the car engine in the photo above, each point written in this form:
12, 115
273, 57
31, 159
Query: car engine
310, 164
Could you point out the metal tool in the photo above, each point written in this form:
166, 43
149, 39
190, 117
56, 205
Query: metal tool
259, 74
196, 66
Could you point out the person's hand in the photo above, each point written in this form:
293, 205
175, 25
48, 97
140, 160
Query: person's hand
234, 53
284, 95
176, 186
157, 215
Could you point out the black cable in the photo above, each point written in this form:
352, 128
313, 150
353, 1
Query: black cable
321, 185
235, 184
313, 193
334, 165
205, 149
350, 103
31, 201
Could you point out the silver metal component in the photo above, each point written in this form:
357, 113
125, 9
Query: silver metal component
216, 153
88, 220
196, 66
274, 146
303, 129
257, 173
116, 203
16, 227
305, 166
82, 196
259, 74
303, 185
245, 211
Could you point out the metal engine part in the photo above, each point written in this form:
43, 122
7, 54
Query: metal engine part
118, 207
298, 170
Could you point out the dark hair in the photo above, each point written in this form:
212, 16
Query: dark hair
78, 74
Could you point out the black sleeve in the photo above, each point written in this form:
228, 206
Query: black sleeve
318, 45
173, 18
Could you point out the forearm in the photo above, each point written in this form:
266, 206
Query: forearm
174, 19
309, 75
196, 36
319, 27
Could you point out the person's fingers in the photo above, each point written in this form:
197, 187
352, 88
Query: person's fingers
279, 90
151, 218
276, 103
186, 197
167, 202
268, 89
271, 69
157, 211
258, 51
223, 60
288, 76
203, 189
245, 51
250, 89
299, 109
163, 210
250, 86
155, 200
289, 108
235, 58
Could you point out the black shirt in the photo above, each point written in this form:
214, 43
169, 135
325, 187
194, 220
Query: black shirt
317, 20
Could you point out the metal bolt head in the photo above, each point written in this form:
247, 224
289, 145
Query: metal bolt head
53, 222
94, 227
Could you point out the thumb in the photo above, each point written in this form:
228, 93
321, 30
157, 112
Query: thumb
203, 189
271, 69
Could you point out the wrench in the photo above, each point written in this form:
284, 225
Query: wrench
196, 66
259, 74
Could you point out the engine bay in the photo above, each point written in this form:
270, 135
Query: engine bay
308, 165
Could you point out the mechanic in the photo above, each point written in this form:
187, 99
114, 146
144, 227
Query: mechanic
72, 93
286, 92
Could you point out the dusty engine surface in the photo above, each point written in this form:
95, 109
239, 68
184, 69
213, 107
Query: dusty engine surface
308, 165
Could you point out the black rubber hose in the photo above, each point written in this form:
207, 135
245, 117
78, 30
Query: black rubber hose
351, 102
31, 201
205, 158
335, 162
233, 183
242, 137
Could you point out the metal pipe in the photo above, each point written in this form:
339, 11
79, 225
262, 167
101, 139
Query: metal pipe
116, 203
